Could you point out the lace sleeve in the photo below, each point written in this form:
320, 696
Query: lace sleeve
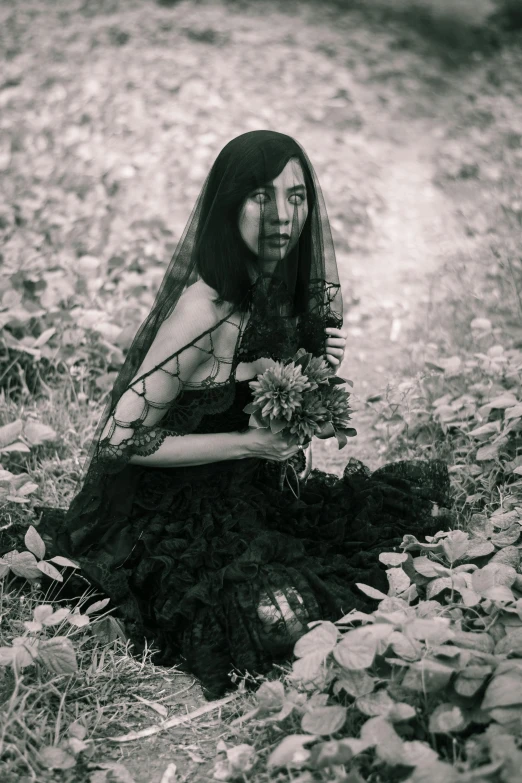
180, 346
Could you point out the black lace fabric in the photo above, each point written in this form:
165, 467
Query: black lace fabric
218, 569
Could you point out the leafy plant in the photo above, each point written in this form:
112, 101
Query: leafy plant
434, 660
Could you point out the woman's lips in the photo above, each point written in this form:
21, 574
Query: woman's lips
277, 240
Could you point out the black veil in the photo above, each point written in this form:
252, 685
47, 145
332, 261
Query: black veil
230, 295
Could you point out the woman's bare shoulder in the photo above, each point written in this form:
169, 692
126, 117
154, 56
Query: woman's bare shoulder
203, 295
200, 288
198, 300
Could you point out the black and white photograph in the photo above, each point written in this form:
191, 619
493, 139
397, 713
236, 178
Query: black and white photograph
261, 391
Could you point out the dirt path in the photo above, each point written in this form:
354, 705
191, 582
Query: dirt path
415, 233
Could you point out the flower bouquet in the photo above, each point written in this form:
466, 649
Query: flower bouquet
301, 397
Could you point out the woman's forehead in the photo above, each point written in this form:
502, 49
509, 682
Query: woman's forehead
292, 174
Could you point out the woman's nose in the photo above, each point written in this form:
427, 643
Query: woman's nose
284, 211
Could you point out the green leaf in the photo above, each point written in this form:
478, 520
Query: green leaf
58, 655
513, 413
393, 558
511, 643
77, 730
427, 676
471, 679
426, 567
506, 537
6, 656
505, 400
56, 758
49, 570
34, 542
499, 593
322, 638
10, 433
326, 431
377, 703
473, 641
509, 717
108, 629
410, 543
42, 612
57, 617
469, 597
256, 420
370, 591
342, 440
504, 690
24, 564
303, 362
455, 546
418, 754
64, 561
491, 575
355, 656
32, 626
435, 772
277, 425
97, 606
27, 641
382, 735
291, 751
310, 671
270, 695
405, 647
324, 720
438, 585
447, 718
398, 580
355, 682
36, 433
401, 711
330, 753
78, 620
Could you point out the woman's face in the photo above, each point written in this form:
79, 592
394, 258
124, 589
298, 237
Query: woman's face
273, 210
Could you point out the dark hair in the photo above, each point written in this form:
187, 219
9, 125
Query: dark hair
248, 161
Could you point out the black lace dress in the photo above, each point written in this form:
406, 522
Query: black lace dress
220, 569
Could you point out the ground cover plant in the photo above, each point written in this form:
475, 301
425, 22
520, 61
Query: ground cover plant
425, 687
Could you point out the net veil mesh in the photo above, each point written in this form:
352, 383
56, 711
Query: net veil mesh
231, 295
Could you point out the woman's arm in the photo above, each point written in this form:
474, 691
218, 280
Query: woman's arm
181, 345
195, 449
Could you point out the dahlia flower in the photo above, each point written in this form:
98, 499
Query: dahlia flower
335, 400
308, 418
317, 371
279, 390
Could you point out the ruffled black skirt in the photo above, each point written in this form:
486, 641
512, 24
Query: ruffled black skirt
218, 569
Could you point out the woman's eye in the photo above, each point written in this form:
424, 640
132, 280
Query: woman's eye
299, 196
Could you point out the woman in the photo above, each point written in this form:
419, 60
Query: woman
179, 517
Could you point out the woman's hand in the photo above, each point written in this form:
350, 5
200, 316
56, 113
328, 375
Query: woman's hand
261, 442
335, 346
